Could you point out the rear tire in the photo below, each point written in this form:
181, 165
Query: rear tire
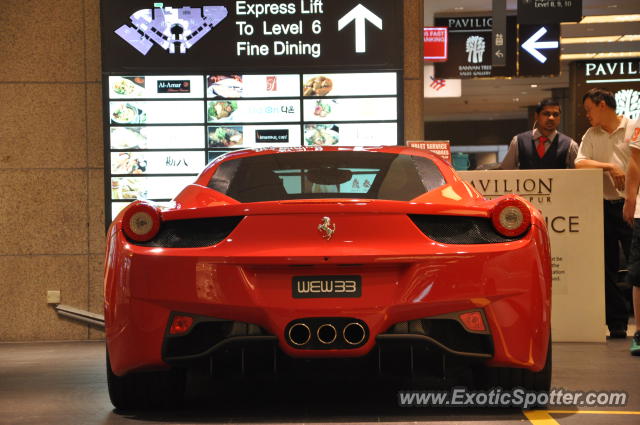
509, 378
145, 390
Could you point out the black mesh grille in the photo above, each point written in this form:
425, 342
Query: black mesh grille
194, 233
459, 230
203, 336
452, 334
448, 332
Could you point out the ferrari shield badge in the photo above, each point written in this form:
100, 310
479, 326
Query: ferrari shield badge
326, 228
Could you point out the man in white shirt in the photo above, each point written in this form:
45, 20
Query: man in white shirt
603, 146
544, 147
631, 213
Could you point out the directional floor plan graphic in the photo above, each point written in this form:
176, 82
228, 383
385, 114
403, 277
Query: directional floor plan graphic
173, 29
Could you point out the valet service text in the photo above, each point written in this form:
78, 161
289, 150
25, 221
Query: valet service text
253, 23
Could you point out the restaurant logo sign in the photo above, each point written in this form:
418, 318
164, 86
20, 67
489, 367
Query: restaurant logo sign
174, 86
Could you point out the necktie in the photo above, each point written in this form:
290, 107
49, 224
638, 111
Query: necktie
540, 147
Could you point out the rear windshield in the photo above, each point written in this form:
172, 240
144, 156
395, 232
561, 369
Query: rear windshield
321, 175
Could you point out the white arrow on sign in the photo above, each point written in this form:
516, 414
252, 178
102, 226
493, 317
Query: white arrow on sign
532, 45
359, 14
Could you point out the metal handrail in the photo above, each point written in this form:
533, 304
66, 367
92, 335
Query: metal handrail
84, 316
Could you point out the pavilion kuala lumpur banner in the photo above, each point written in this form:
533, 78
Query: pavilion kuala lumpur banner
576, 235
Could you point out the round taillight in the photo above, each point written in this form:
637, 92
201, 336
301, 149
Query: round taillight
141, 222
511, 217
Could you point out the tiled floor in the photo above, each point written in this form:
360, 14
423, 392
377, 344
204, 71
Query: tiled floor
65, 383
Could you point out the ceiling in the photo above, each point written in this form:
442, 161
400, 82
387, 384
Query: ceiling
500, 98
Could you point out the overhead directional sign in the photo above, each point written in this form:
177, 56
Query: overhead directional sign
498, 33
549, 11
533, 45
471, 48
539, 50
360, 15
249, 35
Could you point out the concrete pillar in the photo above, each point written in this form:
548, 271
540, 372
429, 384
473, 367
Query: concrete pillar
413, 70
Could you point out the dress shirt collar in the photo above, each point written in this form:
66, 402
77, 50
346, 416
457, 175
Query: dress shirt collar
622, 126
537, 135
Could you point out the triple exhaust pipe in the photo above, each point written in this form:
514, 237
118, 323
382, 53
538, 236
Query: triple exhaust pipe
327, 333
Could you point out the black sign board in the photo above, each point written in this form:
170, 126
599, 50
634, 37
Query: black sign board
539, 50
549, 11
499, 31
272, 136
620, 76
470, 47
174, 86
243, 35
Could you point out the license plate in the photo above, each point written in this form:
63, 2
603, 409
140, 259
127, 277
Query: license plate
326, 286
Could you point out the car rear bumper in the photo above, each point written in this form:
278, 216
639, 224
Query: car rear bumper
509, 283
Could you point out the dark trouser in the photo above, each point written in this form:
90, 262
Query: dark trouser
616, 233
633, 262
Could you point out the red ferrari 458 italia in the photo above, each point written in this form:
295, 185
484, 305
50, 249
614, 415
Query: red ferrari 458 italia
272, 257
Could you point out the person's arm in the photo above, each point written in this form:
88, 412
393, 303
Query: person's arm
631, 189
572, 154
510, 161
584, 160
616, 173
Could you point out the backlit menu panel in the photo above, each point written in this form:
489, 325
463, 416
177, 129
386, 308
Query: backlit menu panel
163, 129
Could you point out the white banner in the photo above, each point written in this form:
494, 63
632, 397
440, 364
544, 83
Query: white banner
440, 87
571, 202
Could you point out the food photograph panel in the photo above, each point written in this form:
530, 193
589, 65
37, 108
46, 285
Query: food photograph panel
351, 84
132, 188
177, 162
212, 155
260, 86
361, 109
370, 134
252, 136
352, 134
156, 87
171, 125
178, 137
250, 111
157, 112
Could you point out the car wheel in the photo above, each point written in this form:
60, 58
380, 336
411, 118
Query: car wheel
510, 378
143, 390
